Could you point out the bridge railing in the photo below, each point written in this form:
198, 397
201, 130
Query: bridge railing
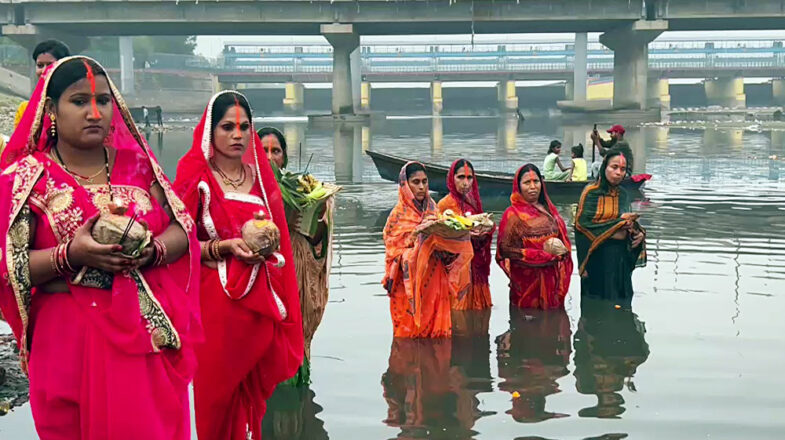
514, 65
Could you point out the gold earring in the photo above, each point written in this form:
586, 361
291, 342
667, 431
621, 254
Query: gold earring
53, 127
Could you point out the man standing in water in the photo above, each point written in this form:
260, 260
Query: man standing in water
617, 142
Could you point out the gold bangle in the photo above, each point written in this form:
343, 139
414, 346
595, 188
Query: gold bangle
217, 250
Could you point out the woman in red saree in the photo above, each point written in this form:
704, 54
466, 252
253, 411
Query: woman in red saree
464, 199
539, 276
423, 274
107, 340
250, 304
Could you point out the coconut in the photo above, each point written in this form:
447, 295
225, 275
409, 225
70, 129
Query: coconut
261, 235
554, 246
110, 228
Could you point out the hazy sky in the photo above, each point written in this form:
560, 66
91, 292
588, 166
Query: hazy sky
211, 46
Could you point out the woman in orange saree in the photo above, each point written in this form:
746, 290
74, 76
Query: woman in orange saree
250, 304
464, 199
539, 275
423, 274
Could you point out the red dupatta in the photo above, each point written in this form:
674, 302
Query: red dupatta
471, 203
266, 289
522, 212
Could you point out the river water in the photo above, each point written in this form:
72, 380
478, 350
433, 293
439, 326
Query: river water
698, 356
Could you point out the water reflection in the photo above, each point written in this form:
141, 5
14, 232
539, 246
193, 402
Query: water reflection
431, 385
532, 356
507, 133
609, 348
292, 415
437, 134
601, 437
347, 144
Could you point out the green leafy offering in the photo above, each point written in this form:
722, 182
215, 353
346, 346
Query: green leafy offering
302, 190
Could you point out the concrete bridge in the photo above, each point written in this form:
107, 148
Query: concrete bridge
629, 26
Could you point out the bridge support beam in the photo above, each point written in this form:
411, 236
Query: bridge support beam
658, 93
344, 41
580, 73
294, 98
508, 96
126, 65
630, 46
29, 36
365, 97
726, 92
437, 100
778, 92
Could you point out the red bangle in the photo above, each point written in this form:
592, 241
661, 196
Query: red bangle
59, 259
160, 253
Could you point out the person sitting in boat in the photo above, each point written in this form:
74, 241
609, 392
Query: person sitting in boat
616, 141
533, 247
610, 242
423, 271
464, 199
579, 168
551, 163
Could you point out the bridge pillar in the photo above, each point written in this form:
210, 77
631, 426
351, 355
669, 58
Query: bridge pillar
294, 99
126, 65
778, 90
508, 96
658, 93
218, 86
580, 70
344, 41
630, 46
437, 100
365, 97
726, 92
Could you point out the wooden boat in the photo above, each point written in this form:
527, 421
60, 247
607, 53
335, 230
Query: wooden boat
492, 184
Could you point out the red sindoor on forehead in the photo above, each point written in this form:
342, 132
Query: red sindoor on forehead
91, 80
532, 175
466, 170
237, 108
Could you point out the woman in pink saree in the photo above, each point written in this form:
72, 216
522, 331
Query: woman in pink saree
106, 339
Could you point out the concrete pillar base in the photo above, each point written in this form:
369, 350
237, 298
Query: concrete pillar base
508, 97
437, 100
778, 91
725, 92
658, 93
344, 41
365, 97
630, 45
294, 98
